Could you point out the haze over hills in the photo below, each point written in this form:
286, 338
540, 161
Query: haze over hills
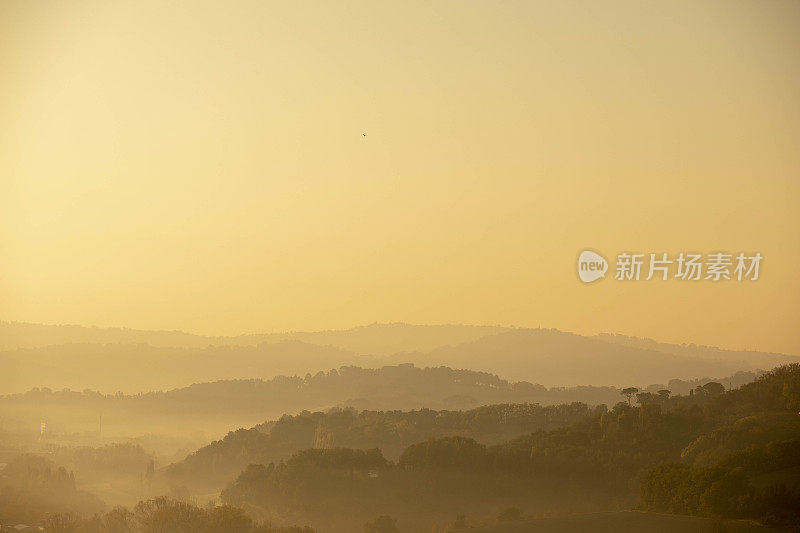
111, 360
374, 339
214, 408
217, 407
751, 357
556, 358
134, 368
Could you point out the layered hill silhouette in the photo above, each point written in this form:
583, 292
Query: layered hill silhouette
709, 454
375, 339
126, 360
216, 407
142, 367
553, 357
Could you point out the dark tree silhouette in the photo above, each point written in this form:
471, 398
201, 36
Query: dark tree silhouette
628, 392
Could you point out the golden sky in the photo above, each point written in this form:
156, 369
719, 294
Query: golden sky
201, 165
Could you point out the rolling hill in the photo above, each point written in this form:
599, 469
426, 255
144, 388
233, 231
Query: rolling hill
111, 360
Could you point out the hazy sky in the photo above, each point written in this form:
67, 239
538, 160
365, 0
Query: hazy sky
201, 165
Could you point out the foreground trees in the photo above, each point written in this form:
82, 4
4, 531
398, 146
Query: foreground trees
758, 483
603, 458
164, 515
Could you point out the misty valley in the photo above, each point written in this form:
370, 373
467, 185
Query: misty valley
392, 446
526, 266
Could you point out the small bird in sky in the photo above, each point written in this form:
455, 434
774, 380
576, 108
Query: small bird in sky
364, 134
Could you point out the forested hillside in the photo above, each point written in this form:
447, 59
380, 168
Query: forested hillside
389, 431
341, 468
598, 462
216, 407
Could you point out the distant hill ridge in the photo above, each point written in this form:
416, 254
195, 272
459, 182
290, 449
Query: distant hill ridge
373, 339
695, 350
110, 359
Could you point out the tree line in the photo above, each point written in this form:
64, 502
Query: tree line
617, 456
